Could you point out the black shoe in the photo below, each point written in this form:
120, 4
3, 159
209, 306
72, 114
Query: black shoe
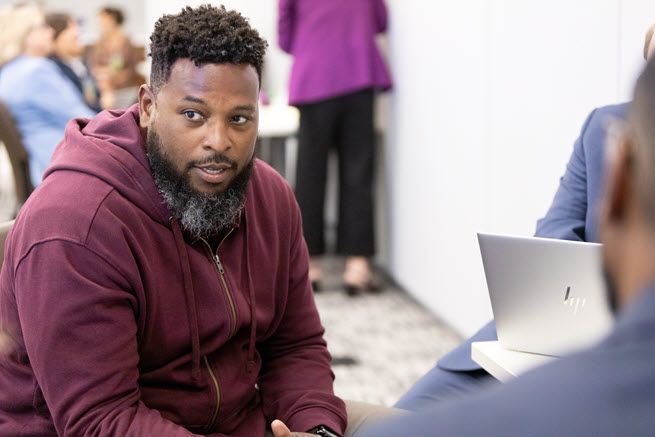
344, 360
317, 286
352, 290
372, 286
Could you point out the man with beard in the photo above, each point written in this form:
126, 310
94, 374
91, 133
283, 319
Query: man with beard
609, 389
156, 281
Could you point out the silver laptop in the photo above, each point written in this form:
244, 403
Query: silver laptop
547, 296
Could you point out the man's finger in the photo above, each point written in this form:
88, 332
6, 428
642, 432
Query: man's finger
279, 429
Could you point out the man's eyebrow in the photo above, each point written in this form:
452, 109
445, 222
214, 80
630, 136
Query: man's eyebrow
195, 100
249, 108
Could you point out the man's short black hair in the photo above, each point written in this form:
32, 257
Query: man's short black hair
114, 13
204, 35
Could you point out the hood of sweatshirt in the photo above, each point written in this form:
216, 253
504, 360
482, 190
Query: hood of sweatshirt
116, 134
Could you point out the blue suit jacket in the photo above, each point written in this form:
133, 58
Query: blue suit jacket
571, 216
605, 391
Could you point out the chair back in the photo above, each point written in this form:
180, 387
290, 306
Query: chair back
11, 138
5, 227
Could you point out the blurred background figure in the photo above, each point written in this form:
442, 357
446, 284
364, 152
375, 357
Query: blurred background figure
336, 69
40, 97
67, 54
113, 60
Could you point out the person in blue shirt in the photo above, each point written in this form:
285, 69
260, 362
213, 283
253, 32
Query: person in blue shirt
40, 97
572, 216
607, 390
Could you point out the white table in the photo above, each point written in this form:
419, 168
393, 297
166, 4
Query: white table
504, 364
277, 123
277, 120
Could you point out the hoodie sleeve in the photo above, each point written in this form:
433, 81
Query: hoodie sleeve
296, 379
78, 320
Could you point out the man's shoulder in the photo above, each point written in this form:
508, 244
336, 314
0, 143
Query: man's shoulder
26, 67
266, 181
63, 207
576, 395
618, 110
270, 200
265, 171
595, 128
24, 70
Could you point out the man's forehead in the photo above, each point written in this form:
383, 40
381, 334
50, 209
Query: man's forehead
224, 78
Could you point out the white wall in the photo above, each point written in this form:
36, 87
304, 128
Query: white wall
489, 97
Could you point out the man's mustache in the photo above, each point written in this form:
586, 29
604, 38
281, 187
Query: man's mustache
216, 158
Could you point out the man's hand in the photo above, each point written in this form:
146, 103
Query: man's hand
6, 345
280, 430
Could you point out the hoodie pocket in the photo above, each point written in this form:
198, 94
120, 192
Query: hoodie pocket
179, 399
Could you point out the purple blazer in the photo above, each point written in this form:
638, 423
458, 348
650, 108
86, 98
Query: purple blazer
333, 44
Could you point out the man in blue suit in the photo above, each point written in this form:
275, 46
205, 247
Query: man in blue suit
571, 216
609, 389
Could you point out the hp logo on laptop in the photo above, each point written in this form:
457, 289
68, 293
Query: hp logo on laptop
576, 303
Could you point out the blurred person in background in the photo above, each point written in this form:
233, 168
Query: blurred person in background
113, 59
337, 68
40, 97
67, 53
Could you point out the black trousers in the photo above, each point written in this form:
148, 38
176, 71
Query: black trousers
343, 124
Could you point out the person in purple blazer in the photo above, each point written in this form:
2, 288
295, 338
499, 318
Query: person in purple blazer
336, 69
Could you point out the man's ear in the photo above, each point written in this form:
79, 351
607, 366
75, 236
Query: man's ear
146, 106
620, 190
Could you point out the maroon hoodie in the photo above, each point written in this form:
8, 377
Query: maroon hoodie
121, 325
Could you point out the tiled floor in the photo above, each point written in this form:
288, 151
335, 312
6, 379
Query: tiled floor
393, 339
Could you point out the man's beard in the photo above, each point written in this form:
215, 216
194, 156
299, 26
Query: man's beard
611, 291
201, 215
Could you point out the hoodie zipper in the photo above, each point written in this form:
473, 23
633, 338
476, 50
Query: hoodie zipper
214, 379
221, 274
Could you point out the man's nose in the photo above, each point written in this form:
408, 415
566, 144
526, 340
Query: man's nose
217, 137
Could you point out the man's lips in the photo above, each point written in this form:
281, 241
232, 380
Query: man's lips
213, 173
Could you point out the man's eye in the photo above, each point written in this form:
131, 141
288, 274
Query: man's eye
192, 115
239, 119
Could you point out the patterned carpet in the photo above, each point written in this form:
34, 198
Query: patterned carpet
392, 339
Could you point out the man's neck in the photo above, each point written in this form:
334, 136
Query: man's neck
638, 270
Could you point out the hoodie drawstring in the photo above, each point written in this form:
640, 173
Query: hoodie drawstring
189, 296
250, 364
